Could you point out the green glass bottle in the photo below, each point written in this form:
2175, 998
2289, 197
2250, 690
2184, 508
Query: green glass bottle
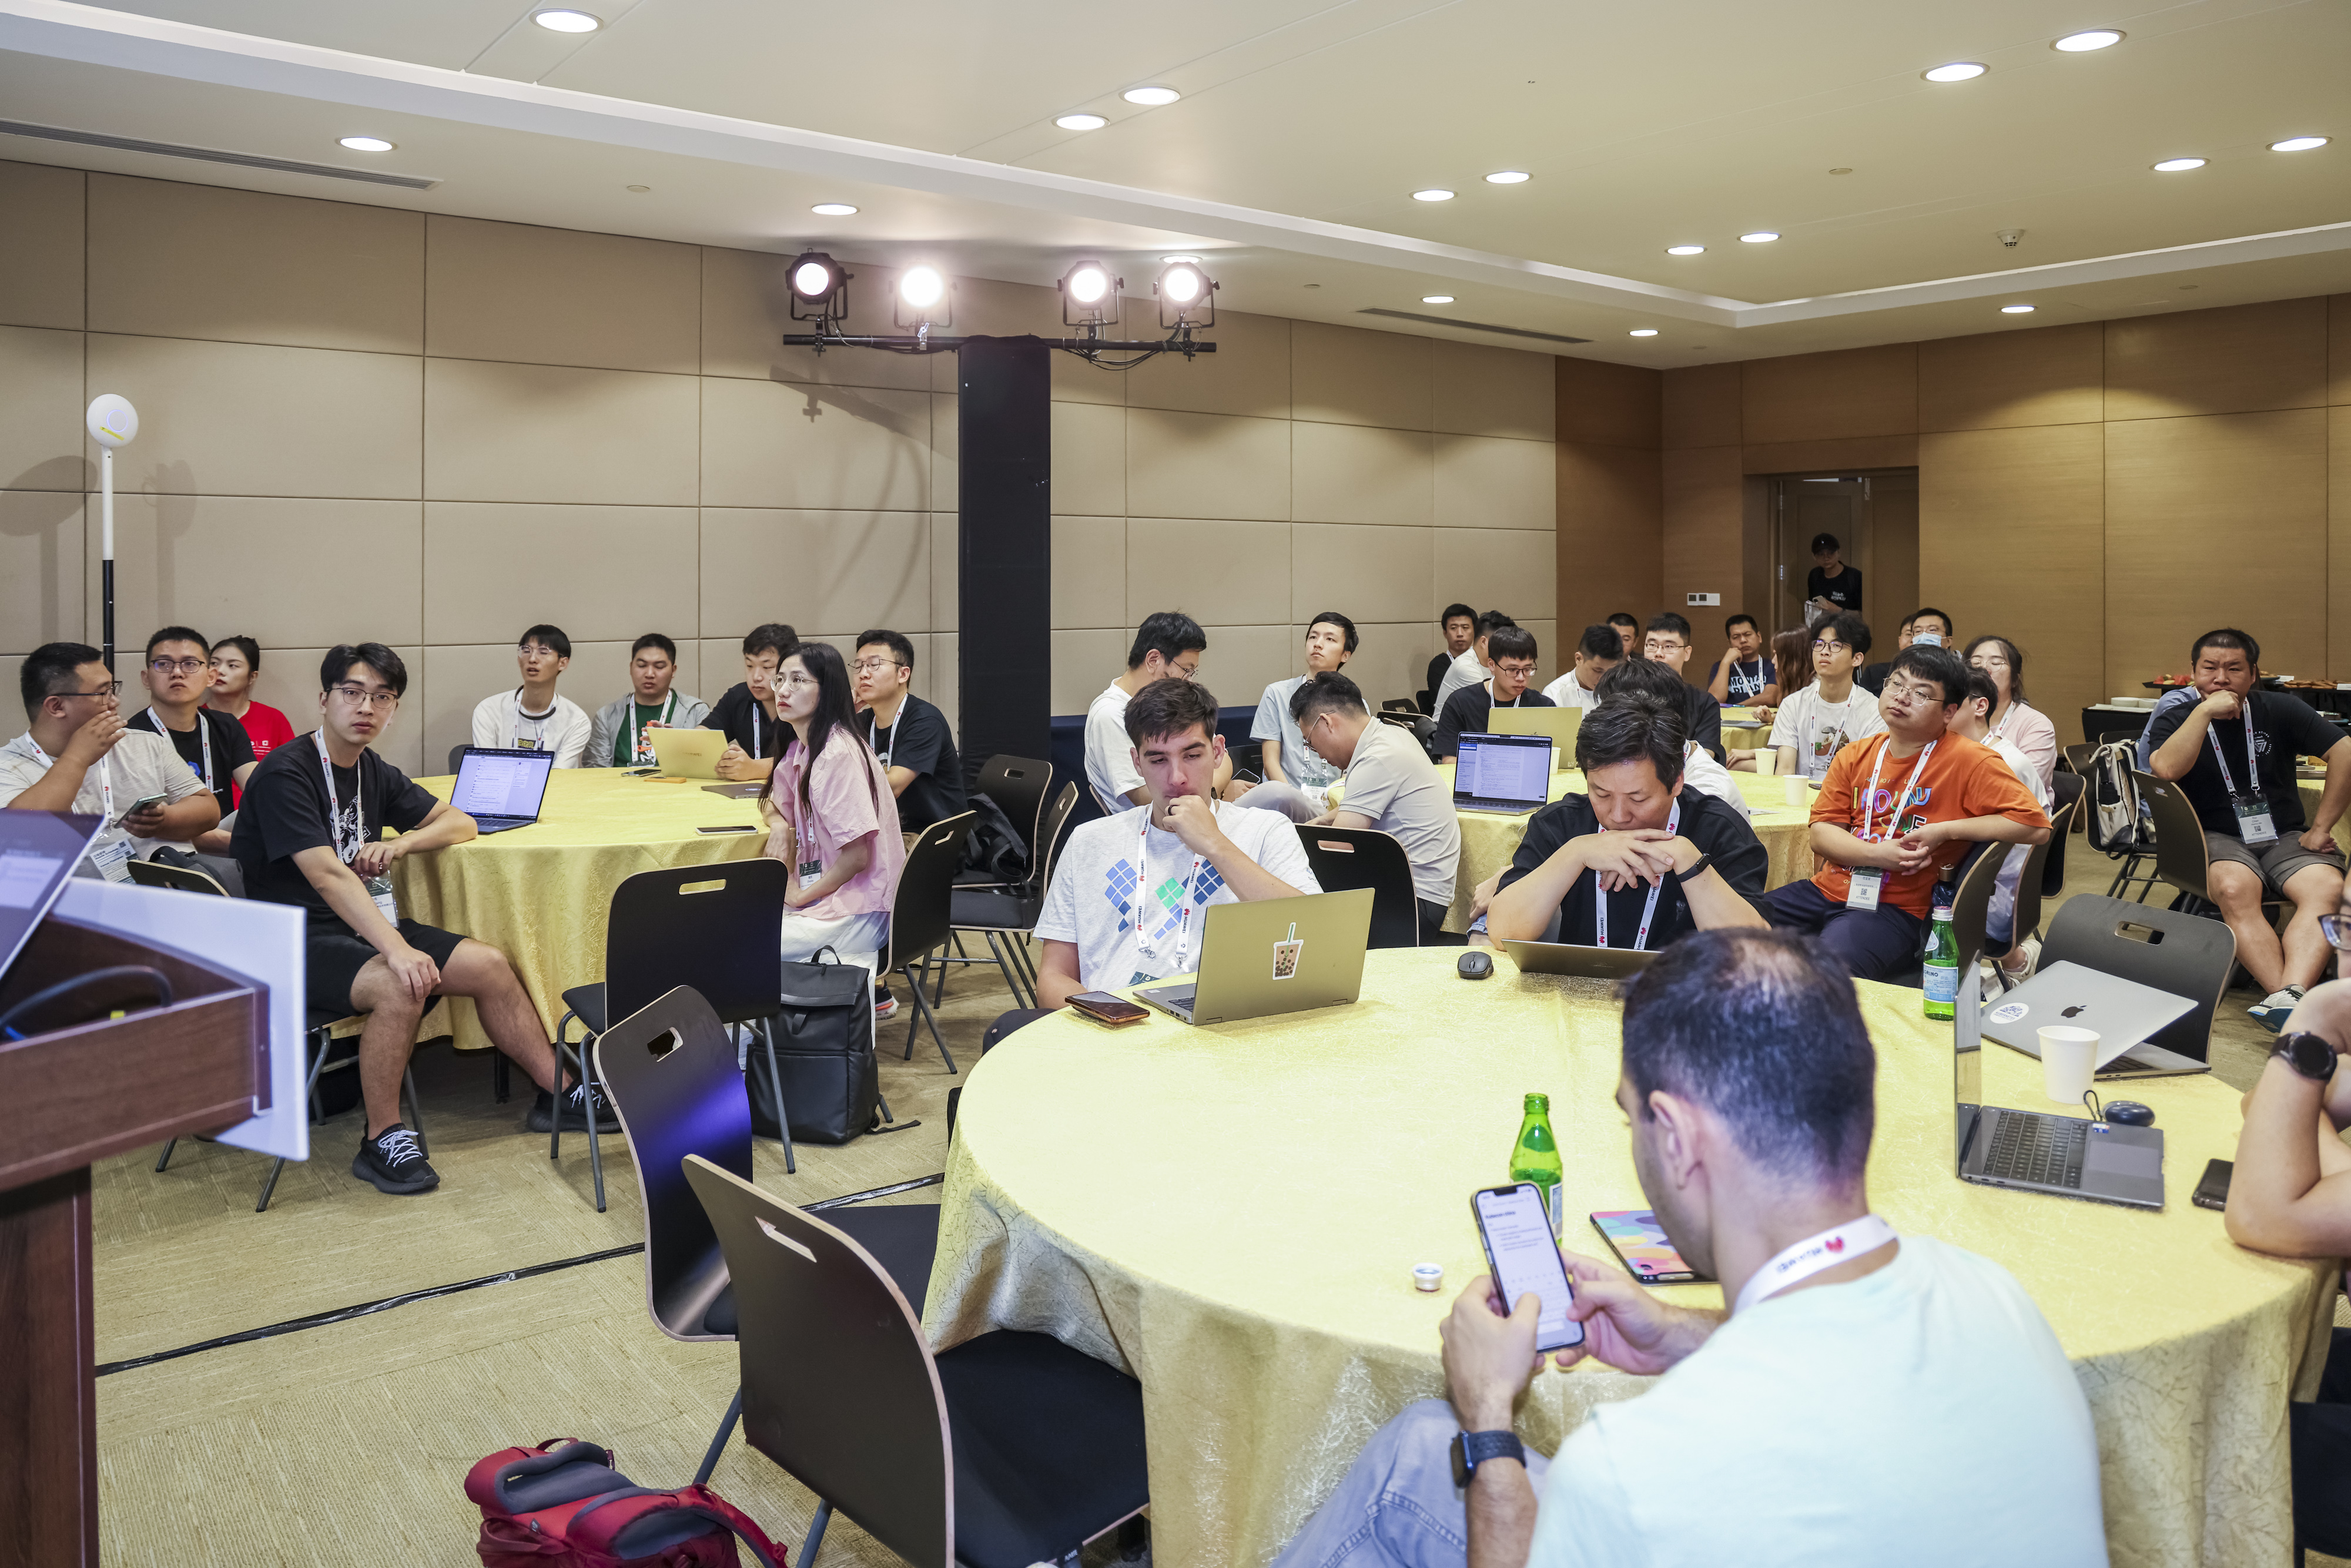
1942, 967
1535, 1156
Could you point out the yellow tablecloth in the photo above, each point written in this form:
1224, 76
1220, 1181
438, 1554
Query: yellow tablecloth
541, 892
2312, 788
1232, 1213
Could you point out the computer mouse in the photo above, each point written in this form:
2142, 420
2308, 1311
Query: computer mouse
1475, 965
2129, 1113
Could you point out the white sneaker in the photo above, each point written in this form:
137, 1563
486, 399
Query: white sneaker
2271, 1011
2031, 948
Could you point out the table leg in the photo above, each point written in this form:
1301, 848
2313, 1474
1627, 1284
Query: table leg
48, 1398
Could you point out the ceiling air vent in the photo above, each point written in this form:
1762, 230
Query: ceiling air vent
1472, 326
213, 156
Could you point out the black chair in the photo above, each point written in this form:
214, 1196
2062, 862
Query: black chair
920, 917
2181, 953
1007, 1450
1345, 858
1020, 785
1007, 915
1972, 901
716, 928
670, 1069
180, 878
2108, 736
1400, 704
2047, 861
457, 756
2182, 857
2075, 759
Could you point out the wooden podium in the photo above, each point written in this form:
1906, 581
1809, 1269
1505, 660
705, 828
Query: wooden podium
66, 1099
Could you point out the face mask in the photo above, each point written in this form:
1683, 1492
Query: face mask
1927, 640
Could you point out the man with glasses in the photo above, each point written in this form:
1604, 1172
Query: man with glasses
1168, 643
1669, 641
178, 676
912, 739
1391, 787
620, 736
1511, 651
1927, 625
311, 834
1814, 724
77, 754
534, 716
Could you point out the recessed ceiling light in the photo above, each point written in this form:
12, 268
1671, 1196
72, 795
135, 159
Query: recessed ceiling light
1508, 177
2084, 42
1081, 122
2299, 143
1685, 250
367, 145
1432, 195
1761, 237
1436, 299
1643, 332
1151, 97
2178, 165
2016, 310
1172, 260
568, 21
833, 209
1957, 70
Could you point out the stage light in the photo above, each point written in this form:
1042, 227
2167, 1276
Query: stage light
1090, 295
818, 288
1187, 296
924, 297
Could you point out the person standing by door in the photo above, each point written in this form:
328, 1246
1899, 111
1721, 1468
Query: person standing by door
1832, 586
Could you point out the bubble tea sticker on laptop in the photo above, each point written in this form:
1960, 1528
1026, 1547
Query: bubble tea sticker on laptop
1285, 955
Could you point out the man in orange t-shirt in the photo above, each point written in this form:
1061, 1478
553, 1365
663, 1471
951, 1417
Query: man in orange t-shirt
1894, 813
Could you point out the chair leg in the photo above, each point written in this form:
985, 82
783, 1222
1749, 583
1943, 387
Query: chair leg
939, 988
923, 1014
1011, 980
416, 1109
165, 1157
311, 1096
501, 1076
775, 1082
815, 1536
595, 1142
718, 1441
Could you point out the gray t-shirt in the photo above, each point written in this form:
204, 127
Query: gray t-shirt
1110, 756
143, 763
1391, 780
1299, 763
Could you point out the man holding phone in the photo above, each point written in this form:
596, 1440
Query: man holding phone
1789, 1428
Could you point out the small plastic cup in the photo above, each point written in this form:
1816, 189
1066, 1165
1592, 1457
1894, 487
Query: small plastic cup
1427, 1277
2068, 1057
1767, 759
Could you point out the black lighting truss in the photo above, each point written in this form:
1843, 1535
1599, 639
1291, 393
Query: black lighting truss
1095, 349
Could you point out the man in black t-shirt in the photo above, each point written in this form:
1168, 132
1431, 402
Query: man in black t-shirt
747, 713
1466, 712
177, 674
1669, 641
1662, 861
2233, 755
1831, 586
310, 833
912, 737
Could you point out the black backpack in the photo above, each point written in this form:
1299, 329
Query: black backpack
824, 1054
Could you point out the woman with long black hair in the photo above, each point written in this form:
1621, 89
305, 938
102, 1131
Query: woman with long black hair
831, 816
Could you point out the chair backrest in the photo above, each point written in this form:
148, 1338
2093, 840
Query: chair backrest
690, 1099
1345, 858
2075, 759
184, 879
1971, 900
839, 1387
2186, 955
713, 928
457, 756
1019, 786
2181, 857
1248, 759
2064, 818
2108, 736
2031, 886
1399, 705
1049, 835
922, 912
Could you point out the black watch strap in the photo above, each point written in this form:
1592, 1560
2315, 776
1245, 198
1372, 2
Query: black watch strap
2307, 1055
1471, 1449
1697, 868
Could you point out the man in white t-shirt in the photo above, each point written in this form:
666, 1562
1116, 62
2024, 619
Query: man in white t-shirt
1474, 665
1869, 1398
532, 717
1816, 723
1129, 892
1391, 788
1599, 651
1168, 642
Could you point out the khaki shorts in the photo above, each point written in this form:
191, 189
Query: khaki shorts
2276, 864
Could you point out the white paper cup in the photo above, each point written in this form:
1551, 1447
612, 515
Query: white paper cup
2068, 1057
1767, 759
1796, 792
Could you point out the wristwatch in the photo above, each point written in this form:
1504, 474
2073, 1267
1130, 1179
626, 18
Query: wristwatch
1697, 868
2306, 1054
1471, 1449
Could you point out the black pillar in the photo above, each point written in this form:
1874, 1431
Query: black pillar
1006, 549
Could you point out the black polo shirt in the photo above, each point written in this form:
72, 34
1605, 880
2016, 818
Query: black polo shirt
1711, 824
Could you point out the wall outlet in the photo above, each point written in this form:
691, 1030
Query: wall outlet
1706, 598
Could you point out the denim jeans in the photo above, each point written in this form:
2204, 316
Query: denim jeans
1396, 1507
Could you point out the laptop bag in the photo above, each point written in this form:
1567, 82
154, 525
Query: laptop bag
562, 1505
824, 1051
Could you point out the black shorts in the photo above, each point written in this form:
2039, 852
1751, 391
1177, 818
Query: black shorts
333, 957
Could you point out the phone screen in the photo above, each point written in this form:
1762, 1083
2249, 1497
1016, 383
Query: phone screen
1525, 1259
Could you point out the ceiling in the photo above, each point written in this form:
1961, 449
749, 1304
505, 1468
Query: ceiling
1303, 127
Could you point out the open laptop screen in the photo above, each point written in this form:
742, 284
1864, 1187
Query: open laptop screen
502, 783
38, 851
1503, 767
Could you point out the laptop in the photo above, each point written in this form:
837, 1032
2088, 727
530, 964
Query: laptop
688, 753
1505, 773
1276, 956
2126, 1014
2041, 1151
1577, 959
38, 853
1559, 723
501, 791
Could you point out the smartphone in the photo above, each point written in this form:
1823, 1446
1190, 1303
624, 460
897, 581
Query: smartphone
2212, 1192
728, 830
1641, 1244
138, 806
1523, 1258
1105, 1009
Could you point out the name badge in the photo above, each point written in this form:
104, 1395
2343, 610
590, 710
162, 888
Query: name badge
112, 860
2253, 825
387, 904
810, 871
522, 744
1867, 880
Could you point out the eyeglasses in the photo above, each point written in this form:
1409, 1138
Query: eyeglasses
1828, 647
2336, 929
1899, 688
797, 683
360, 697
111, 689
1659, 648
179, 667
875, 666
1515, 669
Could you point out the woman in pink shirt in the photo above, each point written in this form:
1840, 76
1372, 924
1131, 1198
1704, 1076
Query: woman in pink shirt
833, 819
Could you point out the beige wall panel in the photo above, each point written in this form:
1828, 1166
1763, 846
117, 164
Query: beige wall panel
598, 573
2338, 348
745, 307
1894, 547
1496, 568
945, 443
1392, 660
1833, 396
2051, 376
2236, 359
1084, 662
41, 403
850, 570
1476, 390
459, 676
1249, 373
1089, 459
1556, 656
721, 659
947, 572
1608, 405
1242, 661
237, 419
1344, 375
41, 246
2338, 543
1703, 525
1484, 482
547, 432
1700, 407
1237, 574
817, 449
1090, 572
1361, 474
171, 260
1818, 456
41, 565
2179, 493
260, 565
1366, 573
1610, 554
1206, 466
557, 297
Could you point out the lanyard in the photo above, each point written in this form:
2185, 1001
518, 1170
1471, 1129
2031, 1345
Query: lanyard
203, 729
1813, 1253
538, 734
1143, 887
105, 778
1648, 910
758, 747
637, 744
335, 807
1748, 679
1868, 806
873, 732
2252, 774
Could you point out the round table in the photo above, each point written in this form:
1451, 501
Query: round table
541, 893
1233, 1213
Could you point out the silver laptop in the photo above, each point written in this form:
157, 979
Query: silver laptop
1576, 959
38, 853
1559, 723
1276, 956
502, 790
1505, 773
688, 753
2126, 1014
2039, 1151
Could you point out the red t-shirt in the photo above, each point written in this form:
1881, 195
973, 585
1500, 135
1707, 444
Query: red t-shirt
267, 729
1961, 779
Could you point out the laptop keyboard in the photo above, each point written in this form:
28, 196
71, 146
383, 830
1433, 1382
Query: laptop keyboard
2044, 1150
1481, 803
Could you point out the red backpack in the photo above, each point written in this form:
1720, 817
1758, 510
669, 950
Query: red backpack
562, 1505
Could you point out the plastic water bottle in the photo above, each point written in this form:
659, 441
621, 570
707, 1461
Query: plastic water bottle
1535, 1158
1942, 967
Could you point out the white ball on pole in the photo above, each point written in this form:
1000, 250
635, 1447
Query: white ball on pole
112, 423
